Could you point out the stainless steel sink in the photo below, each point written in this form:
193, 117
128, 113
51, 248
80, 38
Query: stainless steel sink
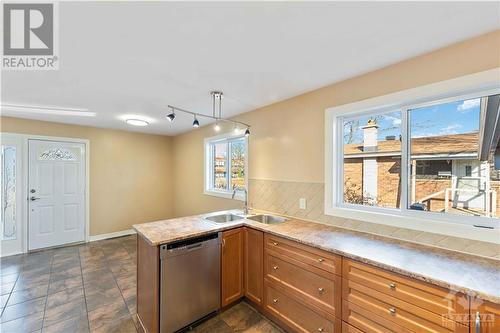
268, 219
224, 218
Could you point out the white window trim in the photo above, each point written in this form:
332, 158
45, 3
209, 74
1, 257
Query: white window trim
469, 86
208, 167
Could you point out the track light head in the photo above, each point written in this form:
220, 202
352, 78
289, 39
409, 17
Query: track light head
196, 123
217, 127
171, 117
247, 132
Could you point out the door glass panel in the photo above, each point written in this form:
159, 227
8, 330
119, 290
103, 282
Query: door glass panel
57, 154
8, 211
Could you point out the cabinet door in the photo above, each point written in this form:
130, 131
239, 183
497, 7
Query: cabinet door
254, 265
232, 265
485, 316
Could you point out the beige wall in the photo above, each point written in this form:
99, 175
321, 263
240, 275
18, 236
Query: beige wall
130, 173
287, 141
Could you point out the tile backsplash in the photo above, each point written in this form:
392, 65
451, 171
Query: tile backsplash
283, 197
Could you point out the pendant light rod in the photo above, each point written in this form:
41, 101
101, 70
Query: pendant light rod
174, 108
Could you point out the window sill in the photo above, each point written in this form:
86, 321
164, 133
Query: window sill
418, 223
226, 194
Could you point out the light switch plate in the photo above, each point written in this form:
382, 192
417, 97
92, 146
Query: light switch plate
302, 203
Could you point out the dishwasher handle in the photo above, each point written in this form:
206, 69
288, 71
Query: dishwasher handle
188, 245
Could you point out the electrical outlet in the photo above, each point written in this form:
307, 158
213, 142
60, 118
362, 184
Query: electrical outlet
302, 203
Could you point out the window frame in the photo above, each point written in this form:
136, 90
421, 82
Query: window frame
467, 87
209, 165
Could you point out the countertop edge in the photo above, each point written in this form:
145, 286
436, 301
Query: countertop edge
393, 269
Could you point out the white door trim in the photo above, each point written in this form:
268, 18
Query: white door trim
25, 160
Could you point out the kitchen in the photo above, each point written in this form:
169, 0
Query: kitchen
345, 180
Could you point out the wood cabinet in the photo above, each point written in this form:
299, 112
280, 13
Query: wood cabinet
148, 285
374, 298
485, 316
295, 315
254, 265
232, 277
302, 286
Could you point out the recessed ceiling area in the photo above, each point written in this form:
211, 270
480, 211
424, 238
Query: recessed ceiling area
129, 60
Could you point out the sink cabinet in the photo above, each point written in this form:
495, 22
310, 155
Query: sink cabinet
254, 265
232, 278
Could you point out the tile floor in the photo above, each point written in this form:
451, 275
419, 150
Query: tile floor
89, 288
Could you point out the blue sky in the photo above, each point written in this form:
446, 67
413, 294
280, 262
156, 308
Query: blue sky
443, 119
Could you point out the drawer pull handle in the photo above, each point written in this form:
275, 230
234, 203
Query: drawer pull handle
321, 259
478, 322
392, 310
275, 300
275, 267
392, 286
275, 243
320, 329
321, 290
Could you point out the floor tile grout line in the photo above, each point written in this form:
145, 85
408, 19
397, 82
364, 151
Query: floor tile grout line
8, 298
47, 295
84, 292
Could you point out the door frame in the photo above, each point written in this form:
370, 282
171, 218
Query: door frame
24, 139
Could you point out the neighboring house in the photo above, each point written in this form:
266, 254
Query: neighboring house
446, 173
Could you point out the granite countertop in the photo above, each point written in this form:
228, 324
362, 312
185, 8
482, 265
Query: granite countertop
468, 274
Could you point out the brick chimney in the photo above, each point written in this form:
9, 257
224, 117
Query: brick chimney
370, 133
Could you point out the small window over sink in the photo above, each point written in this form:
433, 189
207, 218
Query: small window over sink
226, 165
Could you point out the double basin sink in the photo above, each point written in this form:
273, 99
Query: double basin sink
261, 218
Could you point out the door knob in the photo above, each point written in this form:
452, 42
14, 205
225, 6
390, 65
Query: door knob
34, 198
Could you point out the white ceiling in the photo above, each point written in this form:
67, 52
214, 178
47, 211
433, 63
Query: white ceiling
132, 58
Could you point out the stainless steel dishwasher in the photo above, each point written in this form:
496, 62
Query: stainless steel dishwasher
190, 281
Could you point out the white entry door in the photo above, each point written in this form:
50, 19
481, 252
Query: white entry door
56, 193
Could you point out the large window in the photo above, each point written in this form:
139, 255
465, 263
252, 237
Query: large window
436, 158
225, 164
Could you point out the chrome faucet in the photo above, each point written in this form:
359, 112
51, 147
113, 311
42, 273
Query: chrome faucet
245, 210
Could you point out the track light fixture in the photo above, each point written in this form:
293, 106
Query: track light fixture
216, 115
196, 123
171, 116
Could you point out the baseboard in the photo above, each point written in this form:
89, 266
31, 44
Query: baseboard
112, 235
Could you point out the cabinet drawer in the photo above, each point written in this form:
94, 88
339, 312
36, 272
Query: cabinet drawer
306, 285
432, 298
404, 314
485, 316
362, 320
297, 316
306, 254
346, 328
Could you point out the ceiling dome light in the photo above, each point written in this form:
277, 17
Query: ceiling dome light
137, 122
217, 127
196, 123
247, 132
